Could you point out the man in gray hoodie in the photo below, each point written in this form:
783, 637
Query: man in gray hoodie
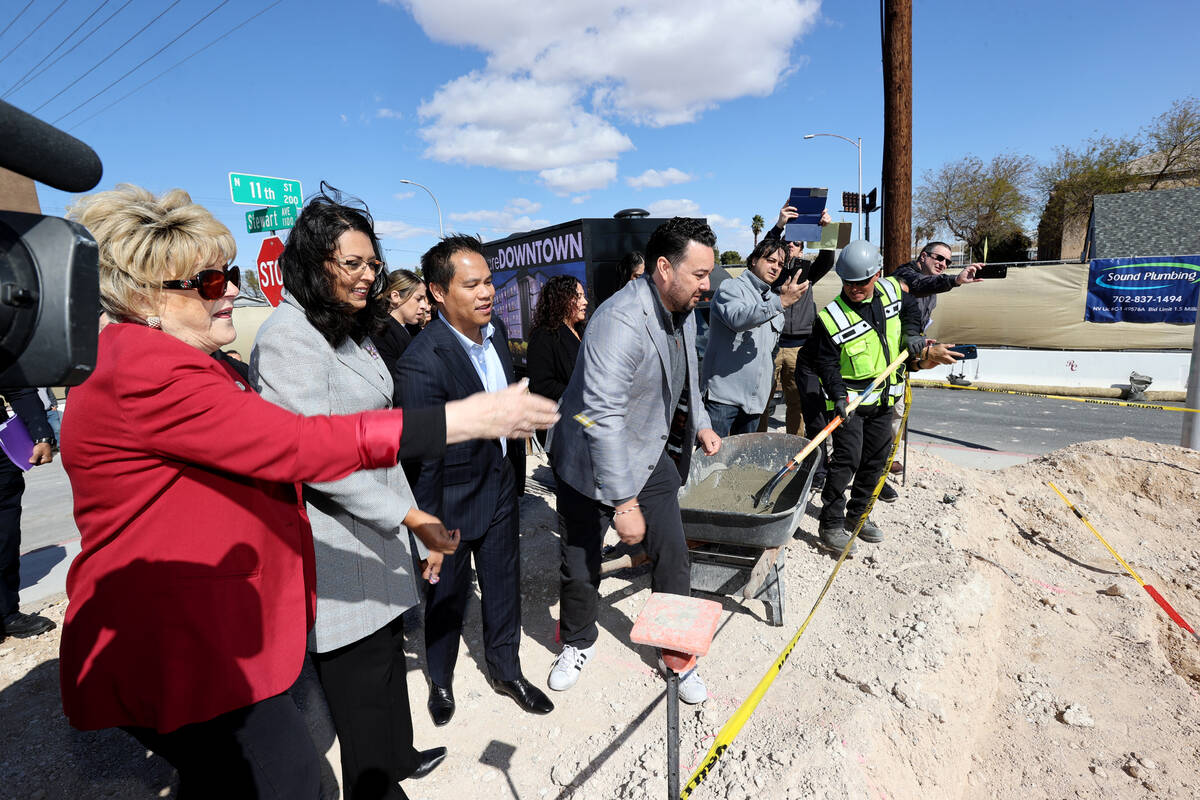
745, 321
801, 390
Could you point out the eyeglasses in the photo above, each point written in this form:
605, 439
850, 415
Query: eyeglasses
357, 266
940, 258
861, 283
210, 283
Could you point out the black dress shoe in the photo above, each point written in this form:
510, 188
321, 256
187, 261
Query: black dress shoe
429, 762
23, 625
528, 696
441, 705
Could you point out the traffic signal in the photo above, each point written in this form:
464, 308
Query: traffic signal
850, 202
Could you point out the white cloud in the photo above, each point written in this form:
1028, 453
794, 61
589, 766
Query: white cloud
579, 177
732, 232
515, 216
396, 229
403, 195
656, 179
559, 77
515, 123
388, 113
580, 199
523, 205
674, 208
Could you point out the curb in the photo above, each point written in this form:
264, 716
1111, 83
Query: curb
1074, 391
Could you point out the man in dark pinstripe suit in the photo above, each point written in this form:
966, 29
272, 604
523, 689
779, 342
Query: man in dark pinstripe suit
474, 486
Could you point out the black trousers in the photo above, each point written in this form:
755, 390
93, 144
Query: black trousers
816, 416
259, 752
497, 556
861, 446
366, 687
12, 486
585, 521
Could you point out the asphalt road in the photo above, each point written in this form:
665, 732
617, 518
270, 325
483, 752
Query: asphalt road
996, 430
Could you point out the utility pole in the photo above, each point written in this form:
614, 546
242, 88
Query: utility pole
897, 132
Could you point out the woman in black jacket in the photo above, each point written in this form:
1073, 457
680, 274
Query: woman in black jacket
554, 342
408, 310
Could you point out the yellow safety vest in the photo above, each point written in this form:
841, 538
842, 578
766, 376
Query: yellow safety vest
862, 353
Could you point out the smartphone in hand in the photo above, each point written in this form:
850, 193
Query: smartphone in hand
967, 351
992, 271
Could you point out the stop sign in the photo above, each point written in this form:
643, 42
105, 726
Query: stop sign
270, 279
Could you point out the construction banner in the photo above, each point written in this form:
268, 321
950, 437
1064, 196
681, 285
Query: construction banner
1147, 289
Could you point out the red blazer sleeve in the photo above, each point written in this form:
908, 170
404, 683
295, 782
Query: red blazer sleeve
184, 406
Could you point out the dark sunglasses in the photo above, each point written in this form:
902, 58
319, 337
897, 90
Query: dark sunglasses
859, 283
940, 258
210, 283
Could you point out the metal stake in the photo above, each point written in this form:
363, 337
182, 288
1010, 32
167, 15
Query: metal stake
672, 731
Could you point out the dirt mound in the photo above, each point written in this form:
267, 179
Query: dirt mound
979, 651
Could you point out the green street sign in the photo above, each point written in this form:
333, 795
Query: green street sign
271, 219
263, 190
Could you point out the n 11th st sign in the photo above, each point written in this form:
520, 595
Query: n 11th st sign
271, 219
263, 190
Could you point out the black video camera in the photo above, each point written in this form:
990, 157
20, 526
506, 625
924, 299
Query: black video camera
49, 267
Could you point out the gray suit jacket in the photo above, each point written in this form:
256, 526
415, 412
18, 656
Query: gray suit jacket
364, 569
620, 386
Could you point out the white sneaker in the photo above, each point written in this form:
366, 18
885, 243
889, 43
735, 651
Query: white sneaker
691, 688
568, 665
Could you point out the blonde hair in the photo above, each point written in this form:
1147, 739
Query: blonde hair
403, 281
145, 240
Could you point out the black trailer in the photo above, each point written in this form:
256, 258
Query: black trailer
588, 249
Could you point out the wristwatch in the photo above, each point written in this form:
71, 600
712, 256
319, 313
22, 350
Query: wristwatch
44, 440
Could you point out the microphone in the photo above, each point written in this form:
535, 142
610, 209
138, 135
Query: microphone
42, 152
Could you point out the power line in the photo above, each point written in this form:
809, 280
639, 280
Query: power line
36, 28
17, 17
71, 49
142, 63
107, 57
176, 64
21, 80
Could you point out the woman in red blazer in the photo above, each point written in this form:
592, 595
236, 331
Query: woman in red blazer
193, 591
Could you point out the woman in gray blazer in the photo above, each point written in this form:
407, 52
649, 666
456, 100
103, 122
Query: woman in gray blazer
313, 355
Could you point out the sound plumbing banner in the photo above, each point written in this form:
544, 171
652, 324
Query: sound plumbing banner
1147, 289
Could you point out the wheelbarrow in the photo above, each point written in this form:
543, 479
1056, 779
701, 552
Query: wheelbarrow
736, 551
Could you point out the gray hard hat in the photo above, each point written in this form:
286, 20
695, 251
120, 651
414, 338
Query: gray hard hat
858, 261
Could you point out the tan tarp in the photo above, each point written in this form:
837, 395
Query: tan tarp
1035, 306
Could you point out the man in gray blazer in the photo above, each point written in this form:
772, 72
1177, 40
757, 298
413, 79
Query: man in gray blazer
629, 417
745, 321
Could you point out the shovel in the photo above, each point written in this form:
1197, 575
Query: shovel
763, 496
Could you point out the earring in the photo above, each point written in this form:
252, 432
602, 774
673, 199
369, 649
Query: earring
154, 322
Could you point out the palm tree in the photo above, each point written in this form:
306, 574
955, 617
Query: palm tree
756, 226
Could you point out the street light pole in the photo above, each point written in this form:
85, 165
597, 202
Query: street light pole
441, 230
858, 146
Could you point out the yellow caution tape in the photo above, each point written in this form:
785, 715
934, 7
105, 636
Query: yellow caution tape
1064, 397
1084, 520
733, 726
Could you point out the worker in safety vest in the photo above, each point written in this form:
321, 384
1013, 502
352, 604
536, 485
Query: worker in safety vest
856, 337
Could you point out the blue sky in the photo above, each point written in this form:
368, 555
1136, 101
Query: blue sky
520, 115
